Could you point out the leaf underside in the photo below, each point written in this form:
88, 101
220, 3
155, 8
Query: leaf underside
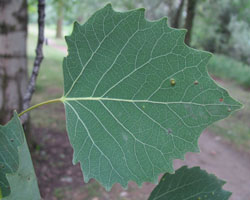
191, 184
136, 97
17, 176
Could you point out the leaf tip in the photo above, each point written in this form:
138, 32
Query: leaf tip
74, 161
141, 10
241, 106
108, 187
15, 113
164, 19
76, 27
76, 23
86, 178
108, 5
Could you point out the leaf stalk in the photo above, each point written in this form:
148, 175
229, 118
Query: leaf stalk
38, 105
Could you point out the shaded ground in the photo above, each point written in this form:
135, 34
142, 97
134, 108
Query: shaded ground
59, 179
223, 160
53, 162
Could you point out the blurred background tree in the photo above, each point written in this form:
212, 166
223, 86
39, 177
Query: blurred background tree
218, 26
13, 60
223, 27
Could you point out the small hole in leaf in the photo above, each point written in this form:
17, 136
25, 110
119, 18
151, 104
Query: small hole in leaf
196, 82
12, 140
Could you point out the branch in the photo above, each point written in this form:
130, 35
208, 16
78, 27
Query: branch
189, 19
176, 18
38, 59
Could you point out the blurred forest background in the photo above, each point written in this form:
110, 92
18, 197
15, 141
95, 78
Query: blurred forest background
218, 26
221, 27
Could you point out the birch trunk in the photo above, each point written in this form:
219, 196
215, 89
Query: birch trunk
13, 61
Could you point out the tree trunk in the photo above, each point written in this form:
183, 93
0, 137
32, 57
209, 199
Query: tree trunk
189, 19
13, 61
176, 19
59, 23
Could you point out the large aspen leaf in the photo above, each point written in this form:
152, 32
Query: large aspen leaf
136, 97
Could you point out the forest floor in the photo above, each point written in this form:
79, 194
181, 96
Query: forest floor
225, 146
60, 180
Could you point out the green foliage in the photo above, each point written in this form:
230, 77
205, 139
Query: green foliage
17, 176
240, 40
192, 184
228, 68
210, 30
223, 27
136, 97
81, 10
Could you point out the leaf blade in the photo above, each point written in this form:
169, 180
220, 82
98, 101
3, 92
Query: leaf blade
126, 118
189, 183
17, 176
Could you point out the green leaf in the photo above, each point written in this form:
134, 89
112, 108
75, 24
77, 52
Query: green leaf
136, 97
191, 184
17, 176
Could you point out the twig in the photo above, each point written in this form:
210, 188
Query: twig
38, 59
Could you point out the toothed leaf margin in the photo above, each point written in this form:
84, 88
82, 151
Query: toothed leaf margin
136, 97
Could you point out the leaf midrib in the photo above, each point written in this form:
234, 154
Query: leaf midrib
63, 99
